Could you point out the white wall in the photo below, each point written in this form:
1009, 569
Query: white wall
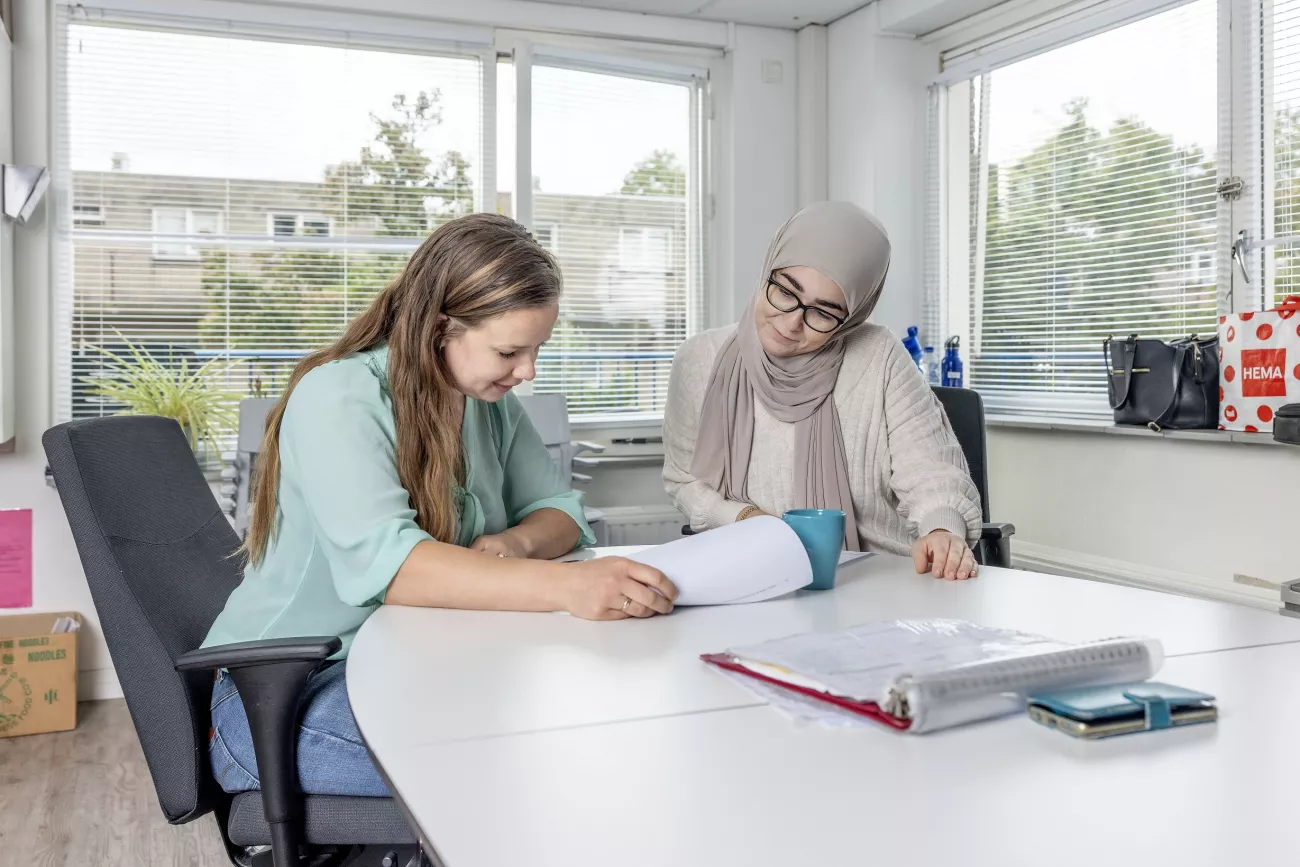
876, 142
813, 50
1207, 510
58, 583
756, 188
757, 167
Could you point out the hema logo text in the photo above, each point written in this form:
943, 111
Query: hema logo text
1263, 372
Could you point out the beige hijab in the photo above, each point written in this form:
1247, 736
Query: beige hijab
850, 246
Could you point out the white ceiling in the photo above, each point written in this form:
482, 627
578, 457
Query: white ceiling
768, 13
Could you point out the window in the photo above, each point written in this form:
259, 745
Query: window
314, 204
316, 226
288, 225
618, 166
87, 215
644, 248
181, 221
1278, 267
173, 134
545, 236
284, 225
1093, 207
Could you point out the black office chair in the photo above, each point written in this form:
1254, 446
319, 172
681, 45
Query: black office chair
965, 410
158, 555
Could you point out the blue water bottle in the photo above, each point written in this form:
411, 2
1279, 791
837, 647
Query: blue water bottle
951, 364
913, 346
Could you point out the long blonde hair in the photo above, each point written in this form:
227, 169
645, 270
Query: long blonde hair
468, 271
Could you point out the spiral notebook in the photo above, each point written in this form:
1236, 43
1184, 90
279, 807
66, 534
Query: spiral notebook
924, 675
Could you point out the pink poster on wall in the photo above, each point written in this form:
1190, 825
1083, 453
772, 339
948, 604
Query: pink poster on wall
15, 558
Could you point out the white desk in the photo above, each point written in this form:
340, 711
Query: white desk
747, 787
451, 701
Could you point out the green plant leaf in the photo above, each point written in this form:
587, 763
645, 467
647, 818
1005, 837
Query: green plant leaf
197, 399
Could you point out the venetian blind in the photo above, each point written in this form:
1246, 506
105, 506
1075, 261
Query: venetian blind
1093, 206
618, 196
241, 196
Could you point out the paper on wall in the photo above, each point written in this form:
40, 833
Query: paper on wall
15, 558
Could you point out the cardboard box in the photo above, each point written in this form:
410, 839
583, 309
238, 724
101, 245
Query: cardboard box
38, 674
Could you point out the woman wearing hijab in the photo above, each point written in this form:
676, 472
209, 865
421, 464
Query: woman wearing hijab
804, 404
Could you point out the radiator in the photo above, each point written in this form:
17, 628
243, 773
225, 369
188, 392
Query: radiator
642, 525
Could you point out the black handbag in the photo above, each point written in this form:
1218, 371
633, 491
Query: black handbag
1286, 424
1164, 385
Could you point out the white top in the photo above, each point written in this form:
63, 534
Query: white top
748, 787
612, 743
491, 673
907, 473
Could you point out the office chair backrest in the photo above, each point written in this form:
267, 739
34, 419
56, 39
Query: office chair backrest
965, 409
252, 428
156, 550
549, 414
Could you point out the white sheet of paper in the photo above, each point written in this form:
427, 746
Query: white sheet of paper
749, 561
847, 557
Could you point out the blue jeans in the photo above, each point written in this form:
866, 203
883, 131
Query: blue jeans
332, 760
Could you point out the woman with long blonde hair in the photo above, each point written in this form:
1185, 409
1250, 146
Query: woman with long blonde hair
398, 469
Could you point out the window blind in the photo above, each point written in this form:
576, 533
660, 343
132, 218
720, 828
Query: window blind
618, 164
1093, 207
235, 196
1280, 157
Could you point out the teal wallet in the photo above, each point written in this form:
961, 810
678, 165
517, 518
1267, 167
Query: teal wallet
1100, 711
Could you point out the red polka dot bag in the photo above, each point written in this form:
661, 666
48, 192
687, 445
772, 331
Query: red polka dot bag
1259, 370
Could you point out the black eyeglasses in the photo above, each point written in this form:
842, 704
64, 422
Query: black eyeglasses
786, 301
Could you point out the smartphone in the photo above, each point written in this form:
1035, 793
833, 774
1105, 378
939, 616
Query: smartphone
1118, 725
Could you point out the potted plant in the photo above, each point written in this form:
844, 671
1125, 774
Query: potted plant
195, 396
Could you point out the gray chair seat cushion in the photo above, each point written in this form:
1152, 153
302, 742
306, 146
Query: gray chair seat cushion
328, 821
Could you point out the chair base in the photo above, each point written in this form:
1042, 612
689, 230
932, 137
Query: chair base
344, 856
347, 857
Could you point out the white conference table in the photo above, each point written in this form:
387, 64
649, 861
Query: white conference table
545, 739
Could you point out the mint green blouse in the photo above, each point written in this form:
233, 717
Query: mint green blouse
345, 522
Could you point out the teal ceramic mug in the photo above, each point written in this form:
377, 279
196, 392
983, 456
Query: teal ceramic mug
822, 534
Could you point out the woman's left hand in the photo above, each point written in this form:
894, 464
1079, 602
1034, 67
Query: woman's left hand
944, 555
500, 545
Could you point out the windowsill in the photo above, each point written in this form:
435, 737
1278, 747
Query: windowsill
1101, 426
615, 426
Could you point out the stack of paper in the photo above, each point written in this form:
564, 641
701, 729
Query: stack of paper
922, 675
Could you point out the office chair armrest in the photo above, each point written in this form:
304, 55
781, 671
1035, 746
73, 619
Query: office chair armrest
997, 531
270, 676
994, 547
267, 651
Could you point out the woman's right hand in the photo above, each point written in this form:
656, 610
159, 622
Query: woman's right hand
613, 588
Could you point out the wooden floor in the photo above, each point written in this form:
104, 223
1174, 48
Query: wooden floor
84, 797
